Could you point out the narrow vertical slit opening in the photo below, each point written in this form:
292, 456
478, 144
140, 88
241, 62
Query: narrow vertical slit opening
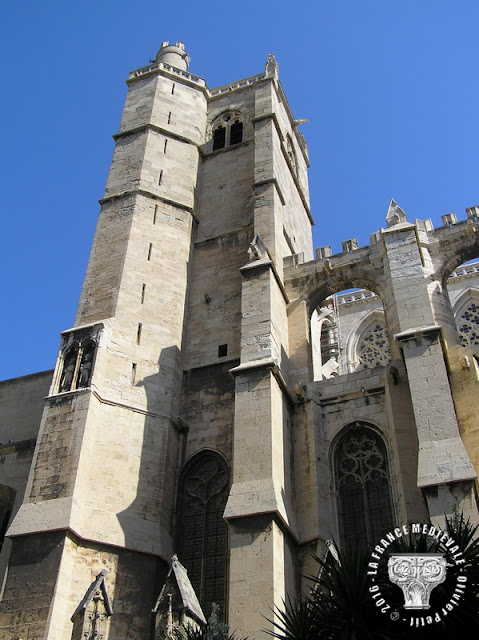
133, 372
169, 118
143, 289
155, 213
149, 251
160, 177
166, 144
138, 333
173, 88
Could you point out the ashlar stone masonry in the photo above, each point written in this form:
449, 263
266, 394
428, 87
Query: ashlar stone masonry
226, 397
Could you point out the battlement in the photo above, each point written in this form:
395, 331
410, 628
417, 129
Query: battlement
234, 86
163, 66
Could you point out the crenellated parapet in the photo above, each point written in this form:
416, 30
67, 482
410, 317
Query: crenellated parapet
441, 250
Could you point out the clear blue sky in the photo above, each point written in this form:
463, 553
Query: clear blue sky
390, 88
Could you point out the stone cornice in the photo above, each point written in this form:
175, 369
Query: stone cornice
147, 194
149, 126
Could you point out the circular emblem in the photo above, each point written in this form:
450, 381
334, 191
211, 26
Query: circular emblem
417, 576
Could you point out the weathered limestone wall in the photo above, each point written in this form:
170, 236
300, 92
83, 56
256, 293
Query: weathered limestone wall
21, 407
208, 409
225, 193
106, 463
55, 562
291, 176
214, 309
32, 577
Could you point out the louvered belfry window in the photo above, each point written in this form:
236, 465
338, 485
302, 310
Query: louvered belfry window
363, 492
203, 539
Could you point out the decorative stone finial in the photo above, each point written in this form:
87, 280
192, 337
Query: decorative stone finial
395, 214
271, 67
174, 55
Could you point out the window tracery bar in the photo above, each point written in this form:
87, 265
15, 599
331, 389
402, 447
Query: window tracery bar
373, 347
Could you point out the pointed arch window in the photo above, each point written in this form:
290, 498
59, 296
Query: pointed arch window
363, 492
227, 130
202, 531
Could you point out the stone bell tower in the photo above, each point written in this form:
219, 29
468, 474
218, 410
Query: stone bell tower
177, 355
102, 485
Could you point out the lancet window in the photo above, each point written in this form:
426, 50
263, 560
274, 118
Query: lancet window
227, 130
202, 531
363, 492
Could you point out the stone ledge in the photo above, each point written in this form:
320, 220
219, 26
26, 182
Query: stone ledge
442, 462
257, 497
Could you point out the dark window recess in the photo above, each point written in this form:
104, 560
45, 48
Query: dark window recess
4, 518
219, 138
202, 531
236, 132
222, 350
363, 492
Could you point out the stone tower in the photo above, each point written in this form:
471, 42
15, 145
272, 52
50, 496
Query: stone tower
143, 380
216, 398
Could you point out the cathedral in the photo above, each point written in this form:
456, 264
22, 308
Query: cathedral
228, 400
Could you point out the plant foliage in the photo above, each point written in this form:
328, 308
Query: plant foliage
340, 606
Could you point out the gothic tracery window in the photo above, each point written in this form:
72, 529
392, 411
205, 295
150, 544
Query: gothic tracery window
362, 487
373, 347
202, 531
227, 130
468, 326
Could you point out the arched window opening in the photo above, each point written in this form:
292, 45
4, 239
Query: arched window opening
219, 137
236, 132
227, 130
348, 333
463, 292
69, 368
202, 531
86, 365
363, 493
77, 367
